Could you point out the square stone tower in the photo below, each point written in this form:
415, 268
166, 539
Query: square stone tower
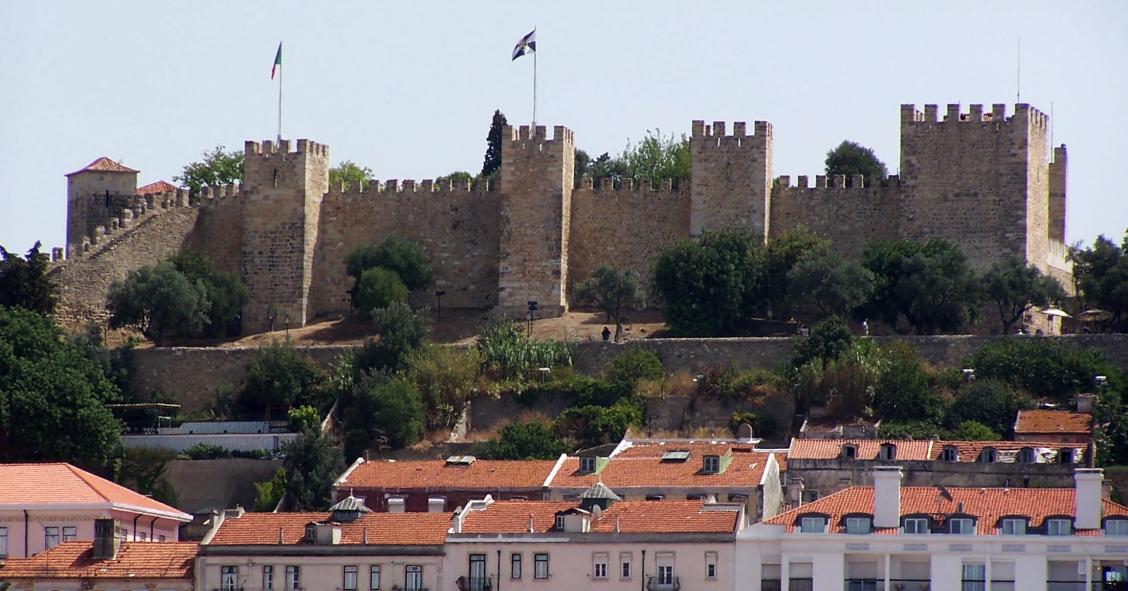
731, 178
537, 177
94, 193
282, 191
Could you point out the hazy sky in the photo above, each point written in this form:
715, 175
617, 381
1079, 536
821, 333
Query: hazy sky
407, 88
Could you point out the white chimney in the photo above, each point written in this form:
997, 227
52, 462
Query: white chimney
1087, 498
887, 496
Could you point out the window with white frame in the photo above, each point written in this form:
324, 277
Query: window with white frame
540, 566
988, 455
887, 451
710, 565
812, 525
3, 542
144, 536
293, 577
1058, 527
665, 574
858, 525
1112, 527
587, 464
515, 566
228, 578
349, 577
950, 454
1012, 526
413, 577
1026, 455
961, 525
599, 565
625, 565
50, 537
374, 577
974, 577
711, 464
267, 577
915, 525
559, 523
70, 534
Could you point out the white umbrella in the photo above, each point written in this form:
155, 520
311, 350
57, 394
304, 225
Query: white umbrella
1056, 312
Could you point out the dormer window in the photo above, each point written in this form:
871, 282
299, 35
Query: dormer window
311, 532
1026, 455
988, 456
915, 525
1059, 527
1116, 527
849, 452
1066, 455
711, 464
814, 524
1012, 526
887, 451
961, 525
859, 525
559, 523
587, 465
950, 454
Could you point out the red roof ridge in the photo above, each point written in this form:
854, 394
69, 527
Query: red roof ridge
104, 164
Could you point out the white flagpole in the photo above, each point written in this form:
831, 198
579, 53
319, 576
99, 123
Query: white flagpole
534, 85
280, 97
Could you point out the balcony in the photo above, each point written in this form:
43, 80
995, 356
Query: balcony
803, 584
909, 585
475, 583
865, 584
1069, 586
662, 584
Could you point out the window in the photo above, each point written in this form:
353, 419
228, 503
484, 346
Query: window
710, 565
70, 534
413, 577
974, 577
808, 496
268, 577
599, 566
711, 464
655, 497
950, 454
858, 525
1065, 456
228, 578
540, 566
293, 577
887, 451
161, 538
559, 524
477, 572
1113, 527
625, 566
1026, 455
374, 577
515, 566
1058, 527
915, 525
1013, 526
587, 464
3, 542
849, 452
987, 456
311, 532
436, 504
396, 504
738, 499
961, 525
144, 536
812, 525
50, 537
665, 574
350, 577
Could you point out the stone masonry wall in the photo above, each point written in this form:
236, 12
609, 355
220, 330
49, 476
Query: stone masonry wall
456, 226
1058, 186
731, 178
624, 227
850, 217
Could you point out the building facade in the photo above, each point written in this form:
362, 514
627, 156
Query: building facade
128, 566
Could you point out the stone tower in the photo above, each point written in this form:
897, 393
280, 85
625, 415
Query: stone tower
537, 177
980, 180
94, 193
731, 178
1058, 184
282, 191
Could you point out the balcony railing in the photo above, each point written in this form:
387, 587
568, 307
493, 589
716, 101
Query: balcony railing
659, 584
794, 584
771, 585
865, 584
475, 583
910, 585
1067, 586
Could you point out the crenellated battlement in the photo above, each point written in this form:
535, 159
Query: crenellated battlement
838, 182
525, 133
975, 114
715, 134
370, 189
607, 185
267, 147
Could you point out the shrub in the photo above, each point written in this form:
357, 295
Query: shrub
304, 418
909, 430
507, 354
595, 425
526, 441
401, 332
763, 426
635, 364
827, 340
206, 451
387, 407
378, 288
903, 391
312, 464
446, 379
403, 257
974, 431
269, 493
1043, 367
280, 378
990, 402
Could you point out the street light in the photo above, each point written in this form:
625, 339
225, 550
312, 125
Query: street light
439, 293
532, 309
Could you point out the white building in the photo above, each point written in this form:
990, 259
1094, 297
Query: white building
893, 538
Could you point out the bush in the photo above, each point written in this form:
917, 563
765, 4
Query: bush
279, 378
635, 364
403, 257
159, 301
304, 418
763, 426
507, 354
269, 493
206, 451
990, 402
312, 464
387, 407
909, 430
525, 441
595, 425
1043, 367
974, 431
401, 332
446, 379
827, 340
703, 285
902, 391
845, 384
378, 288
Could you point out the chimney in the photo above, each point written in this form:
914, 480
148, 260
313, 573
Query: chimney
1087, 497
1085, 402
887, 496
105, 539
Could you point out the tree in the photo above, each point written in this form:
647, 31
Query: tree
160, 302
770, 292
24, 281
349, 172
378, 288
602, 167
828, 339
492, 162
1015, 287
702, 284
990, 402
835, 285
526, 441
593, 425
217, 168
52, 398
303, 418
269, 493
145, 470
226, 293
312, 464
657, 158
634, 365
930, 284
850, 158
902, 392
614, 292
278, 379
388, 407
404, 257
445, 378
1100, 273
974, 431
401, 331
1043, 367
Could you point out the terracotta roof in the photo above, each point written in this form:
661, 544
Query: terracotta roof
1052, 421
512, 517
487, 475
27, 485
642, 466
157, 187
988, 505
867, 449
103, 164
968, 451
392, 529
134, 560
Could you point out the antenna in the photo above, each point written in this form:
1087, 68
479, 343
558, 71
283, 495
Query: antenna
1018, 73
1051, 125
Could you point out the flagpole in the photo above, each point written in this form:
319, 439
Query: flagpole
279, 98
534, 86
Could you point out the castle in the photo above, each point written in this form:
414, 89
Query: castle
981, 179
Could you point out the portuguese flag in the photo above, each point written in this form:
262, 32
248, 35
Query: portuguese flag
277, 61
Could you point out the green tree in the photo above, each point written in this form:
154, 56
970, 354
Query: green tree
657, 157
312, 464
269, 493
1014, 287
492, 162
226, 293
401, 331
458, 176
592, 425
217, 168
903, 391
929, 284
52, 398
24, 282
702, 284
378, 288
1100, 275
445, 378
850, 158
770, 292
349, 172
602, 167
835, 285
387, 407
526, 441
404, 257
634, 365
615, 292
974, 431
303, 418
145, 470
159, 301
990, 402
828, 339
1043, 367
278, 379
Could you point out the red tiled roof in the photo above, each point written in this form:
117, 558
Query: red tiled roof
134, 560
968, 451
103, 164
157, 187
488, 475
392, 529
512, 517
867, 449
988, 505
642, 466
64, 484
1052, 421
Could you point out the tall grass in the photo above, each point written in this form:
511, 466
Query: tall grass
507, 354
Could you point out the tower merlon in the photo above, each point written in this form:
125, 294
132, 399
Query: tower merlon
976, 113
539, 133
739, 129
303, 146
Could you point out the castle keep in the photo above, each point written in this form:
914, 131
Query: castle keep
981, 179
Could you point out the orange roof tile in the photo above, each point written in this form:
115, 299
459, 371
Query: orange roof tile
988, 505
512, 517
867, 449
392, 529
134, 560
1052, 421
642, 466
103, 164
489, 475
59, 483
157, 187
968, 451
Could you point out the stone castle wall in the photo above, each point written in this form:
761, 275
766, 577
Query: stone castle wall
850, 217
731, 177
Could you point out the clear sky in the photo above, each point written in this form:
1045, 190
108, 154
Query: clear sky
407, 88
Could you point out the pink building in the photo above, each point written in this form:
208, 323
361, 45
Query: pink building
44, 505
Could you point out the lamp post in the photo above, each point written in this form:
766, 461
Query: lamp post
439, 293
532, 310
